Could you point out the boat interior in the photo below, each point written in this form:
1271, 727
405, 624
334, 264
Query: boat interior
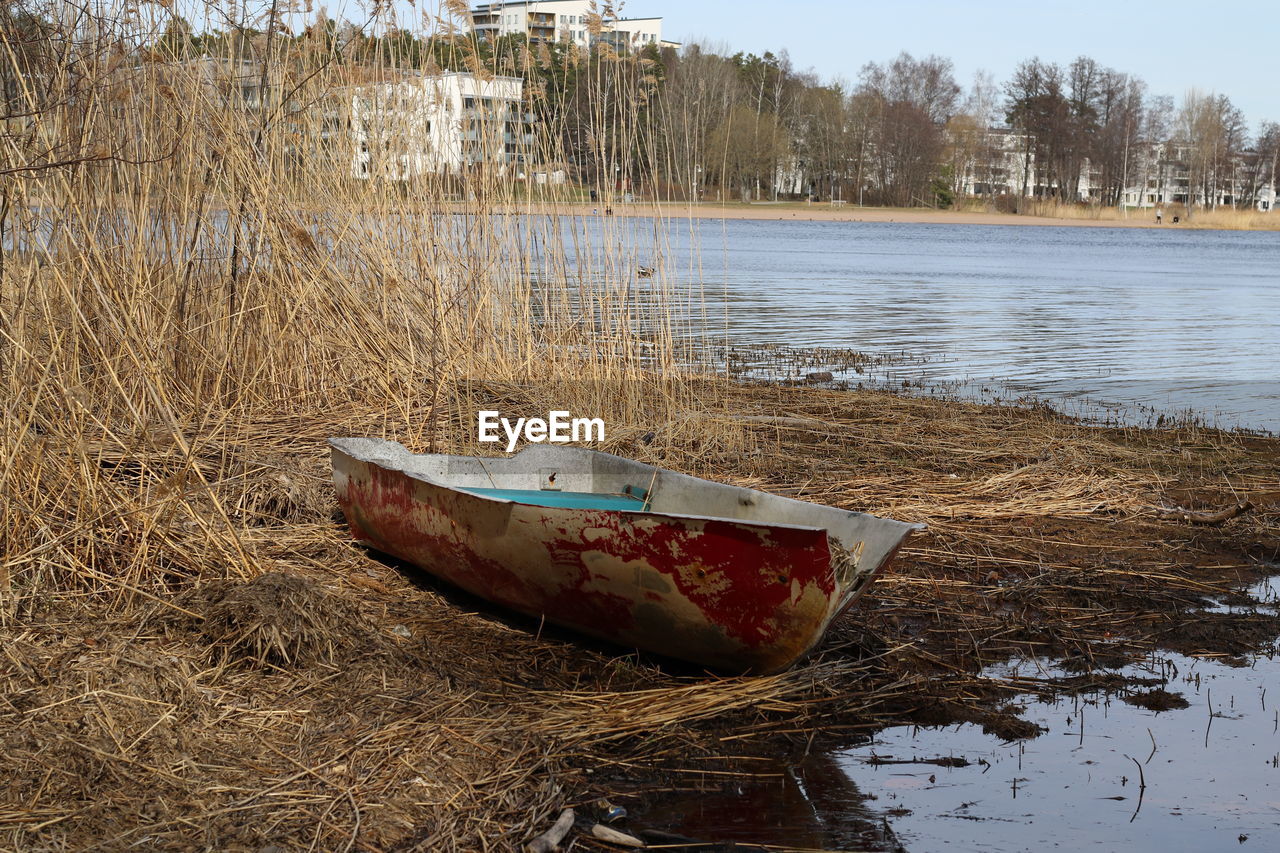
578, 478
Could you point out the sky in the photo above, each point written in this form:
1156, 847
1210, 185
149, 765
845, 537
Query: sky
1229, 47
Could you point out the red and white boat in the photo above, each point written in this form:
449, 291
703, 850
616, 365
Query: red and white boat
731, 578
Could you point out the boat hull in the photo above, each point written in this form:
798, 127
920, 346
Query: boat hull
732, 595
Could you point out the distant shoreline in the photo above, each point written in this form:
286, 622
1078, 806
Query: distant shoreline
824, 212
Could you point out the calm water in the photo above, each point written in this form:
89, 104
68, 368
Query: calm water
1166, 318
1211, 771
1107, 322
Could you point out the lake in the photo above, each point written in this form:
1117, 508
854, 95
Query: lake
1117, 323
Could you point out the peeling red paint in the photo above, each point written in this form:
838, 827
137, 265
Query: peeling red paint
732, 595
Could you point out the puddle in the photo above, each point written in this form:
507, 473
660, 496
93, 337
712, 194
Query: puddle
1263, 596
809, 805
1211, 771
1110, 772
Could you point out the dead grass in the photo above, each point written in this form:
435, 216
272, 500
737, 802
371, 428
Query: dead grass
275, 620
339, 701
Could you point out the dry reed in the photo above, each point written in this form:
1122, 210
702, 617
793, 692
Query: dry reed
1222, 217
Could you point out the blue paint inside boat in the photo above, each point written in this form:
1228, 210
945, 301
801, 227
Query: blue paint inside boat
565, 500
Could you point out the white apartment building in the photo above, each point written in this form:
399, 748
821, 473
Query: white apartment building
437, 124
1267, 198
1158, 176
1161, 176
1002, 166
545, 21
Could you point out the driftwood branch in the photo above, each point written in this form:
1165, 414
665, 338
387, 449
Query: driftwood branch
1211, 518
550, 840
613, 836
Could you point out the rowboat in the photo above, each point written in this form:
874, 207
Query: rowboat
727, 577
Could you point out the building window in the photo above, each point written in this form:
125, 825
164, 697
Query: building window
562, 18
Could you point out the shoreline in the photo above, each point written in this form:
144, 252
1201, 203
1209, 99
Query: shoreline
824, 212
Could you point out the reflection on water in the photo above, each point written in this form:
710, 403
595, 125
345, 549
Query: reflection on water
809, 805
1167, 318
1107, 774
1211, 772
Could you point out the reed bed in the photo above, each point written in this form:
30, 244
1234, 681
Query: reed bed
1223, 217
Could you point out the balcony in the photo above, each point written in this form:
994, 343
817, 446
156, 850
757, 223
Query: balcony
490, 112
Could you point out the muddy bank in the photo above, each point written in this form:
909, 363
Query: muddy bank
346, 701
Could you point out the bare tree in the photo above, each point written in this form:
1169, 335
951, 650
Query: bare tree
1214, 131
1259, 165
701, 90
912, 99
745, 148
825, 154
1031, 102
1077, 133
1115, 150
971, 155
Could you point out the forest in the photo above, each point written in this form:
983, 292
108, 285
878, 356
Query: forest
706, 123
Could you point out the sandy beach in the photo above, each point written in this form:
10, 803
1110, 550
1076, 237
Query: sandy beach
825, 212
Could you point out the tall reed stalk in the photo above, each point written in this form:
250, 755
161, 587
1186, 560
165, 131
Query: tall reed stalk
189, 266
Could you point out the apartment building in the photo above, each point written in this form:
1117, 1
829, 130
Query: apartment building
1267, 198
546, 21
437, 124
1159, 174
1163, 176
1001, 165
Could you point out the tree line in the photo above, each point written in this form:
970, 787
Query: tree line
707, 123
908, 133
